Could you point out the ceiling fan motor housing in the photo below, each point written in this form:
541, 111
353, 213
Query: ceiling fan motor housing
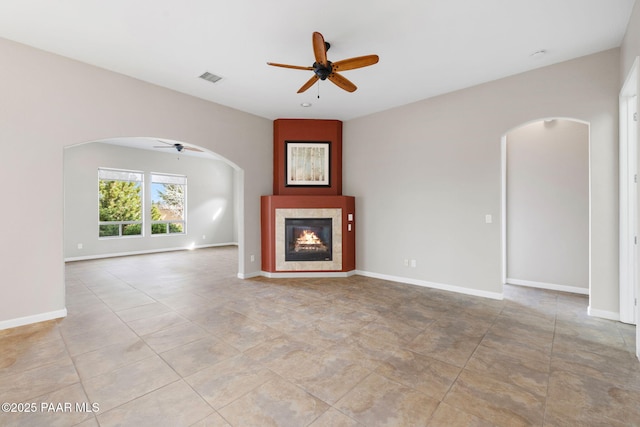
321, 71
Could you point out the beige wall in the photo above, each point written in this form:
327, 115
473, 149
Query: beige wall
49, 102
547, 200
630, 47
429, 172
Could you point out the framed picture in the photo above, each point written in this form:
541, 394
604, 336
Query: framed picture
307, 163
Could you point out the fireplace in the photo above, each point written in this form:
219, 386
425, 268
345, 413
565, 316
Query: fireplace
323, 229
308, 239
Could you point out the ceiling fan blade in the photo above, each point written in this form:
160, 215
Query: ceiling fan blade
320, 49
342, 82
308, 84
192, 149
295, 67
353, 63
162, 146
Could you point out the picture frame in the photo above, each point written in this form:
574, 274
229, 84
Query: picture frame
308, 163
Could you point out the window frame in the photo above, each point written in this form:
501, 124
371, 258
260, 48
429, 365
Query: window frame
176, 179
122, 224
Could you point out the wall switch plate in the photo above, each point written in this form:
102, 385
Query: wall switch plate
348, 227
253, 258
488, 219
413, 263
406, 263
350, 217
79, 245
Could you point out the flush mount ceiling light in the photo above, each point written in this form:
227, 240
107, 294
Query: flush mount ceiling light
210, 77
306, 104
538, 54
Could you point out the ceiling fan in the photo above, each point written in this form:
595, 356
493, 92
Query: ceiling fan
179, 147
324, 69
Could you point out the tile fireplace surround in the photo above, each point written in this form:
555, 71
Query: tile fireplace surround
275, 209
335, 264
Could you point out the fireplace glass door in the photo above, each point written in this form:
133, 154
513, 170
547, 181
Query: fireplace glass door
308, 239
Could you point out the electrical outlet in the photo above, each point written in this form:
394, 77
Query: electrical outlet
406, 263
253, 258
204, 237
79, 245
413, 263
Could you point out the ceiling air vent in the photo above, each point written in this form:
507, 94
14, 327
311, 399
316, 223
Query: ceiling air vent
210, 77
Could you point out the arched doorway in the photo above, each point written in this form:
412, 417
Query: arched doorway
546, 205
214, 194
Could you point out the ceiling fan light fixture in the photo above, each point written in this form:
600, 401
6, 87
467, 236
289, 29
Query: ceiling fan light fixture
210, 77
306, 104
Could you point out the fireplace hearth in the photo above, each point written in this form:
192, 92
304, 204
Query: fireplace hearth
308, 239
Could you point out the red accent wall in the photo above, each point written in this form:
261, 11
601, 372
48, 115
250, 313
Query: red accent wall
301, 130
269, 204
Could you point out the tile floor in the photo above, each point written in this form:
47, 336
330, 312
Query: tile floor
175, 339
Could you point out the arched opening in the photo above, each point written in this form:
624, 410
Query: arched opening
213, 195
546, 205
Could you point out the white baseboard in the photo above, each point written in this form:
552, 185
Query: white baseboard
604, 314
441, 286
549, 286
27, 320
250, 275
149, 251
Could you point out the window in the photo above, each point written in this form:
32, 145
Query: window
168, 201
120, 203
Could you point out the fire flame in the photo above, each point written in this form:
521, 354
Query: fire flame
308, 237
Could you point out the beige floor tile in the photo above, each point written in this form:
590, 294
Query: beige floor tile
447, 415
334, 418
175, 405
142, 311
331, 376
529, 374
276, 402
192, 357
107, 359
369, 352
499, 402
377, 401
22, 352
229, 380
129, 382
583, 400
213, 420
618, 366
66, 406
96, 339
519, 348
174, 336
446, 344
156, 323
391, 330
27, 385
429, 376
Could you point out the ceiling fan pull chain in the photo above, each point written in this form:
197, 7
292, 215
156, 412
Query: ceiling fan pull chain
318, 89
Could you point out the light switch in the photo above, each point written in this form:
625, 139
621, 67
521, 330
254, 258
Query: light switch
350, 217
488, 219
349, 227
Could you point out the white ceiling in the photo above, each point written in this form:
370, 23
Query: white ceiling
426, 47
